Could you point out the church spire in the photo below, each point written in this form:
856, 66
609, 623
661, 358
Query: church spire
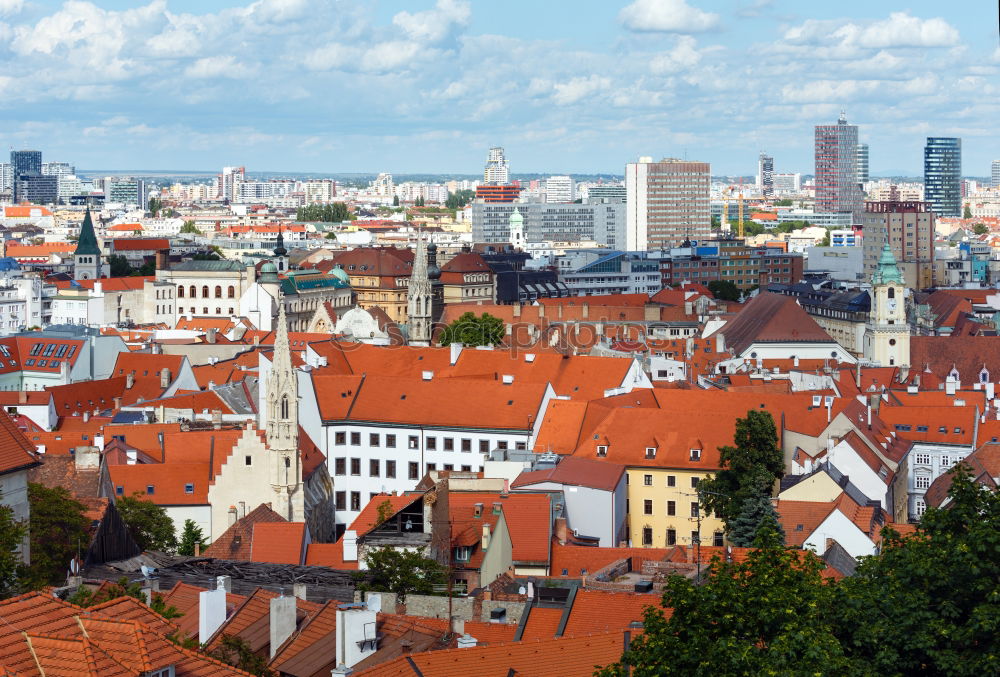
284, 467
419, 297
87, 257
887, 272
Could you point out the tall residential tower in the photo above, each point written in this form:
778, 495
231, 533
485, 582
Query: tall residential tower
765, 175
943, 175
496, 172
667, 203
837, 190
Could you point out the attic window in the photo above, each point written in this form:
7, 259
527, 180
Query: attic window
510, 402
921, 428
602, 450
150, 489
696, 454
957, 431
650, 452
798, 527
119, 490
943, 429
189, 488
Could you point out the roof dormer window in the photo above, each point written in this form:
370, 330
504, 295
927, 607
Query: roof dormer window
696, 454
602, 450
650, 452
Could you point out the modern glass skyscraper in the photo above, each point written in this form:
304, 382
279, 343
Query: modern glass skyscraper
862, 168
765, 175
836, 173
943, 175
24, 163
995, 174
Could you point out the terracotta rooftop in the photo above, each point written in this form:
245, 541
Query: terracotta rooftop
576, 471
772, 318
235, 542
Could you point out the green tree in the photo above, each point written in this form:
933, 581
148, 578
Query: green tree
724, 290
12, 533
768, 615
235, 651
980, 229
395, 200
459, 199
749, 468
190, 536
967, 212
826, 240
57, 532
401, 572
123, 588
155, 205
783, 203
148, 523
928, 603
118, 266
756, 514
328, 213
485, 330
189, 227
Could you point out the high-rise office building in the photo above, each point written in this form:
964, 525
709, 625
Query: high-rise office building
24, 163
765, 175
496, 172
862, 164
995, 174
943, 175
668, 203
58, 169
559, 189
836, 172
908, 227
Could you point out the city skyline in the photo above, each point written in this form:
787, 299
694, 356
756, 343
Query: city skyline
430, 85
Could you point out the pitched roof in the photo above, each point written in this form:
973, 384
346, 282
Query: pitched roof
968, 354
772, 318
235, 542
279, 542
140, 244
594, 611
983, 463
87, 243
528, 517
16, 452
576, 471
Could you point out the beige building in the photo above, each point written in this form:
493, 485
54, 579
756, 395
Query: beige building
208, 288
908, 227
668, 203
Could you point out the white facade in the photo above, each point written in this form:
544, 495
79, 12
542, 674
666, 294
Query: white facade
559, 189
636, 189
497, 171
925, 463
838, 527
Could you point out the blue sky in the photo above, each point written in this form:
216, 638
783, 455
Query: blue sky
429, 85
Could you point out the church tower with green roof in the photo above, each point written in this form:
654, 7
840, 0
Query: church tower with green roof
887, 334
87, 257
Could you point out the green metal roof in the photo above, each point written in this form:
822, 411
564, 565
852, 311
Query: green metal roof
887, 271
87, 244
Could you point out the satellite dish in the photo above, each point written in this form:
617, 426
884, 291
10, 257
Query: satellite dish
147, 571
74, 566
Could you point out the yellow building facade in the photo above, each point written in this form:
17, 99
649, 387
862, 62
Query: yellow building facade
663, 508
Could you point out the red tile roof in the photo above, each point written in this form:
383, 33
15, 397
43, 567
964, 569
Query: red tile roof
16, 452
528, 518
772, 318
235, 542
543, 622
576, 471
594, 611
140, 244
279, 542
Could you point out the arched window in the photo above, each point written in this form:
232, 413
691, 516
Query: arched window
194, 292
232, 292
204, 311
218, 292
288, 462
218, 311
180, 292
284, 406
892, 292
204, 291
231, 312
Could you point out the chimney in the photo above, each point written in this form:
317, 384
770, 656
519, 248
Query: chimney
232, 515
164, 378
456, 351
22, 397
282, 621
216, 419
517, 310
720, 342
486, 537
869, 408
211, 612
162, 259
584, 311
857, 377
466, 641
427, 375
356, 637
118, 402
350, 546
86, 416
210, 335
87, 458
129, 380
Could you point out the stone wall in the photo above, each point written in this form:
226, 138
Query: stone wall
462, 608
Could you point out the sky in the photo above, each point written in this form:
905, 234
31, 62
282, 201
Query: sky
427, 86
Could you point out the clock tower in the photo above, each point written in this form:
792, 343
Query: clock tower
887, 334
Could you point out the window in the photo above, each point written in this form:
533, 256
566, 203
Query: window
920, 507
694, 482
647, 480
374, 440
374, 467
431, 467
466, 445
650, 452
355, 466
696, 454
355, 500
180, 292
188, 488
340, 466
449, 444
717, 539
671, 508
356, 439
218, 292
231, 292
945, 461
413, 442
390, 469
466, 468
694, 508
204, 292
647, 536
194, 292
340, 500
340, 438
647, 507
922, 481
414, 470
431, 443
502, 444
484, 446
150, 489
671, 481
449, 466
602, 450
390, 441
671, 537
120, 490
921, 428
923, 459
462, 553
695, 538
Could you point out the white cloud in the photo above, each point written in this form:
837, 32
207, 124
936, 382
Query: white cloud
666, 16
390, 56
899, 29
9, 7
225, 66
577, 89
683, 56
437, 24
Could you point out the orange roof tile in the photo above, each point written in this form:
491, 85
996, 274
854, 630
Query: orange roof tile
279, 542
169, 481
543, 622
594, 611
235, 542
